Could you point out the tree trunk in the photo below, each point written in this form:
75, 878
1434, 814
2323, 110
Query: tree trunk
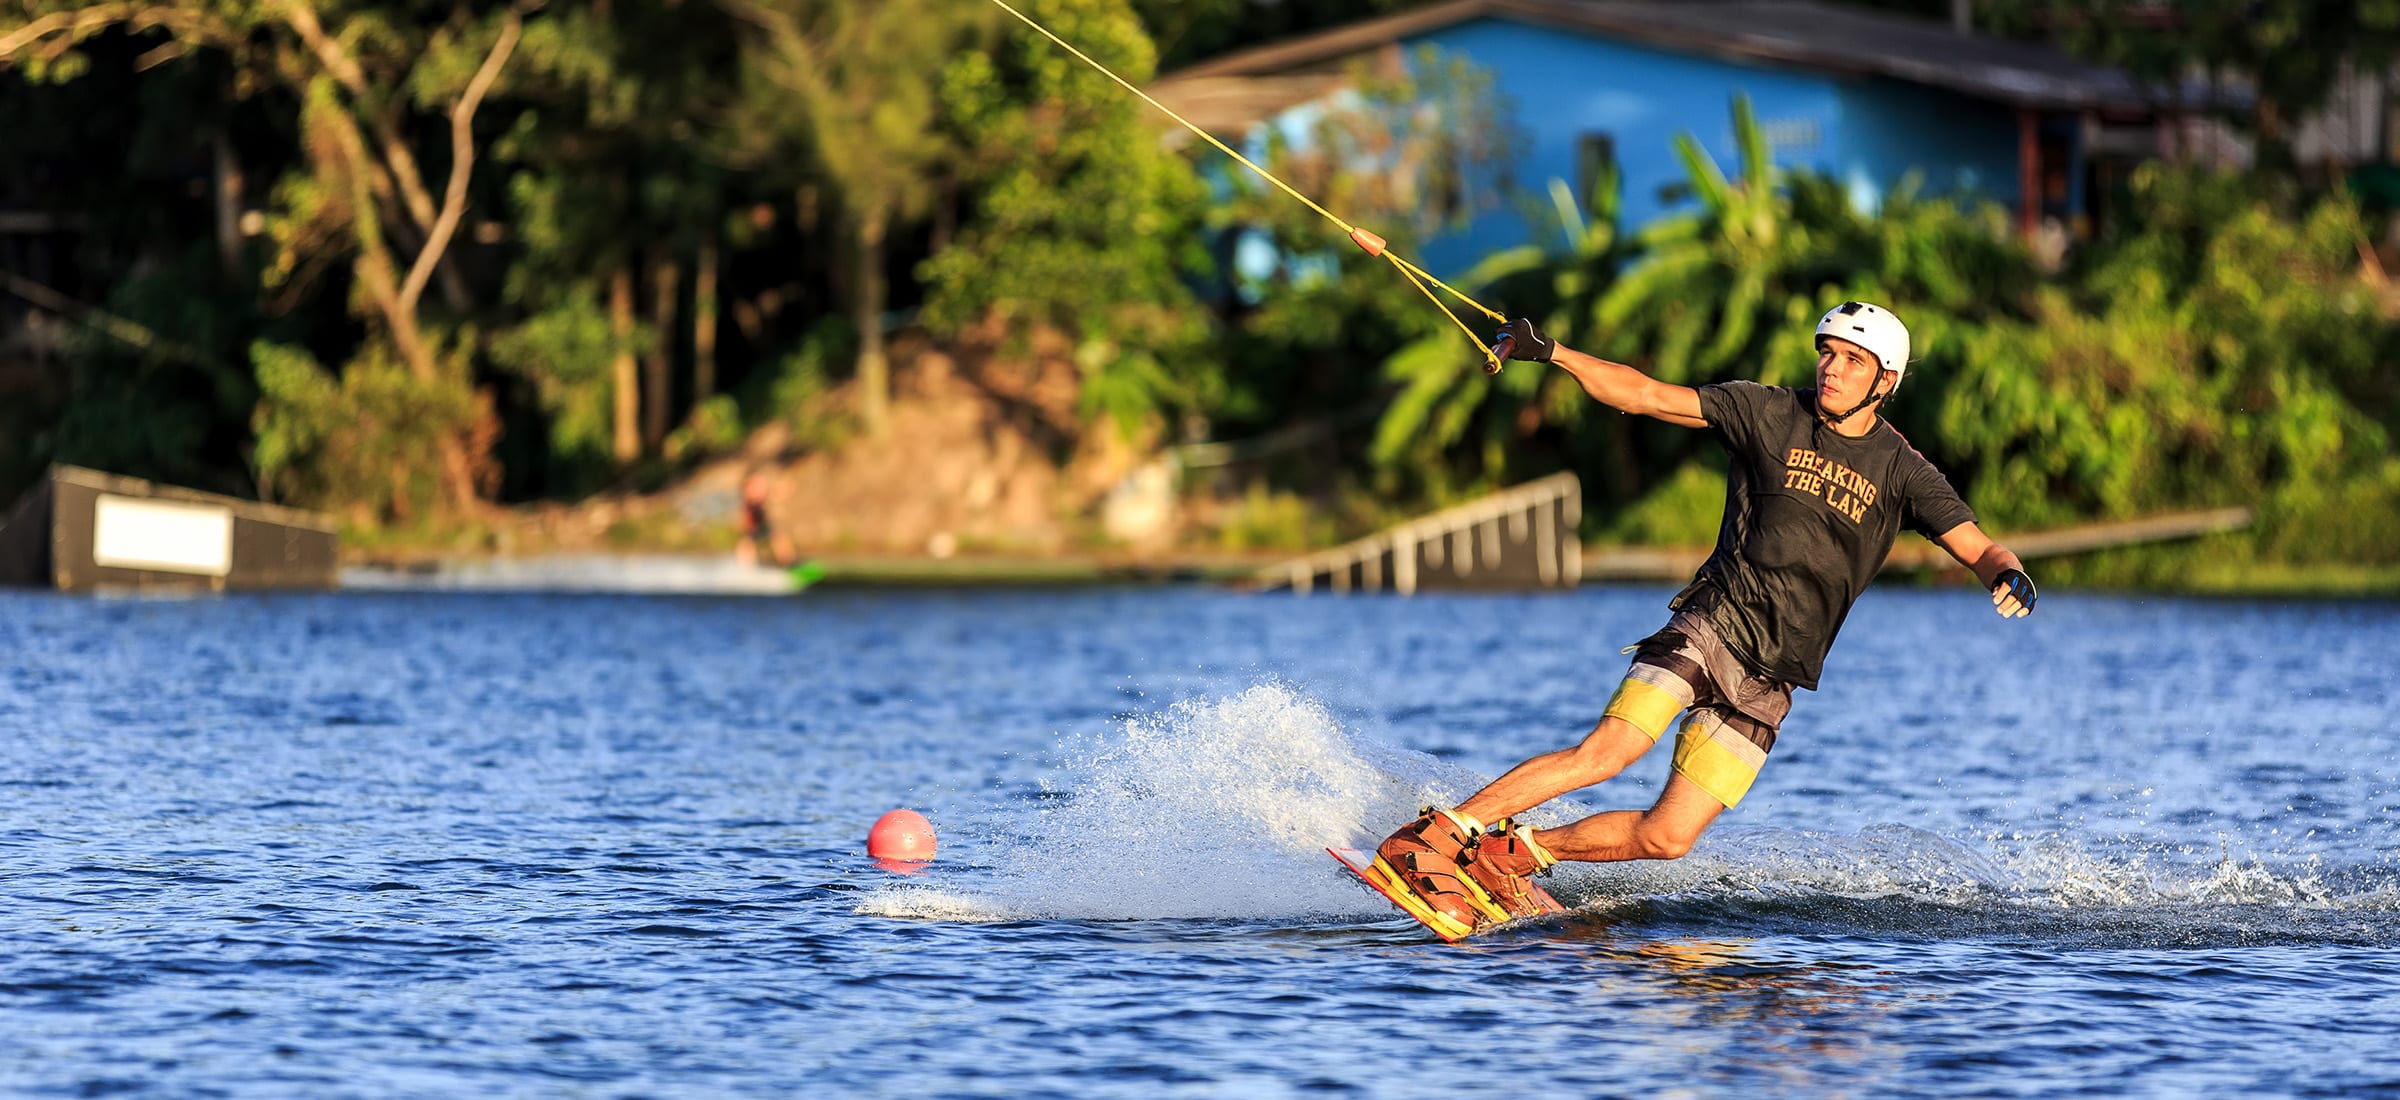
454, 285
377, 272
458, 462
867, 298
658, 372
402, 512
621, 372
229, 203
945, 218
704, 323
397, 180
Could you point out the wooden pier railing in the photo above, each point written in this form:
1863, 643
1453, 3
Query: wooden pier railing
1521, 537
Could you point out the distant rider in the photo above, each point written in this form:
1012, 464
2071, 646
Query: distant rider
760, 542
1819, 487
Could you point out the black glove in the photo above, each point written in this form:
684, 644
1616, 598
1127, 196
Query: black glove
1521, 341
2013, 583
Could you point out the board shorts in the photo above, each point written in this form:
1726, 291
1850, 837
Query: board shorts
1730, 713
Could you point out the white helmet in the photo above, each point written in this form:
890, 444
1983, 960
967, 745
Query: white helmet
1872, 327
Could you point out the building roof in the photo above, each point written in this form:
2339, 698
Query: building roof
1806, 34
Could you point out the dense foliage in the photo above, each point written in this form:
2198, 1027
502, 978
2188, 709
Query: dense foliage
402, 260
2227, 347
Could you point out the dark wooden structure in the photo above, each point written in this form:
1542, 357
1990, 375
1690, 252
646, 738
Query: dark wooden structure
81, 529
1676, 564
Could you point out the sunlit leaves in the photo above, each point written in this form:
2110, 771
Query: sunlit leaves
1085, 223
364, 441
2203, 362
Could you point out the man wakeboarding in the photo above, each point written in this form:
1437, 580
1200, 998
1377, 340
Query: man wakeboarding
1819, 485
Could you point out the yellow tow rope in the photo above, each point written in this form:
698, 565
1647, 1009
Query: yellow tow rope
1373, 244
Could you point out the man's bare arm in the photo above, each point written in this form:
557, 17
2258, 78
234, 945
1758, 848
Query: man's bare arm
1612, 384
1621, 387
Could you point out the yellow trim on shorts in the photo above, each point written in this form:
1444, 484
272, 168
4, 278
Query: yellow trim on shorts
1648, 706
1701, 758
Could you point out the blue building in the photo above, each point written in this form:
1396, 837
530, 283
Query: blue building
1865, 96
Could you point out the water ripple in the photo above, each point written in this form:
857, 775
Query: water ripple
400, 845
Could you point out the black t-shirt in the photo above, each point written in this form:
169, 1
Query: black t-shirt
1810, 515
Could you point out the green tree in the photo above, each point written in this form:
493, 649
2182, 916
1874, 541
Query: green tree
366, 80
1727, 290
141, 371
1730, 289
2224, 351
361, 85
1445, 394
2222, 348
847, 89
1082, 222
612, 192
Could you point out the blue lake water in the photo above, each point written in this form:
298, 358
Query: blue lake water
371, 845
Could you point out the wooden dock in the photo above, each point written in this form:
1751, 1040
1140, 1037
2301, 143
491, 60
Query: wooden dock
1520, 537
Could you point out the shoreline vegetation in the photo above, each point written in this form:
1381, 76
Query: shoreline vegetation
553, 280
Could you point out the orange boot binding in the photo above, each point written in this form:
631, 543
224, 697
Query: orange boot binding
1503, 860
1427, 856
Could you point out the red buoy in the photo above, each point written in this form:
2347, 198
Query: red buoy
901, 836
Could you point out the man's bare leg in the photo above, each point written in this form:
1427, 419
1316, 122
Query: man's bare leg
1612, 745
1664, 831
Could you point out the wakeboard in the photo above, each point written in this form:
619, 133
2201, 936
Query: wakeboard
1490, 911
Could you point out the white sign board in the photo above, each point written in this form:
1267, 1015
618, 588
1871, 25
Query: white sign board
129, 533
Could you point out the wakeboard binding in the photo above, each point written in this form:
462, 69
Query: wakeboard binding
1455, 876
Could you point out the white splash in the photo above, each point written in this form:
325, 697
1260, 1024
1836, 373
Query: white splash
1223, 808
1211, 808
2065, 871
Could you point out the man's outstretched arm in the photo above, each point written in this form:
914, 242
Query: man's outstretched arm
1995, 565
1615, 385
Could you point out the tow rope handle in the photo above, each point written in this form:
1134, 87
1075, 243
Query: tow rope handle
1497, 354
1374, 245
